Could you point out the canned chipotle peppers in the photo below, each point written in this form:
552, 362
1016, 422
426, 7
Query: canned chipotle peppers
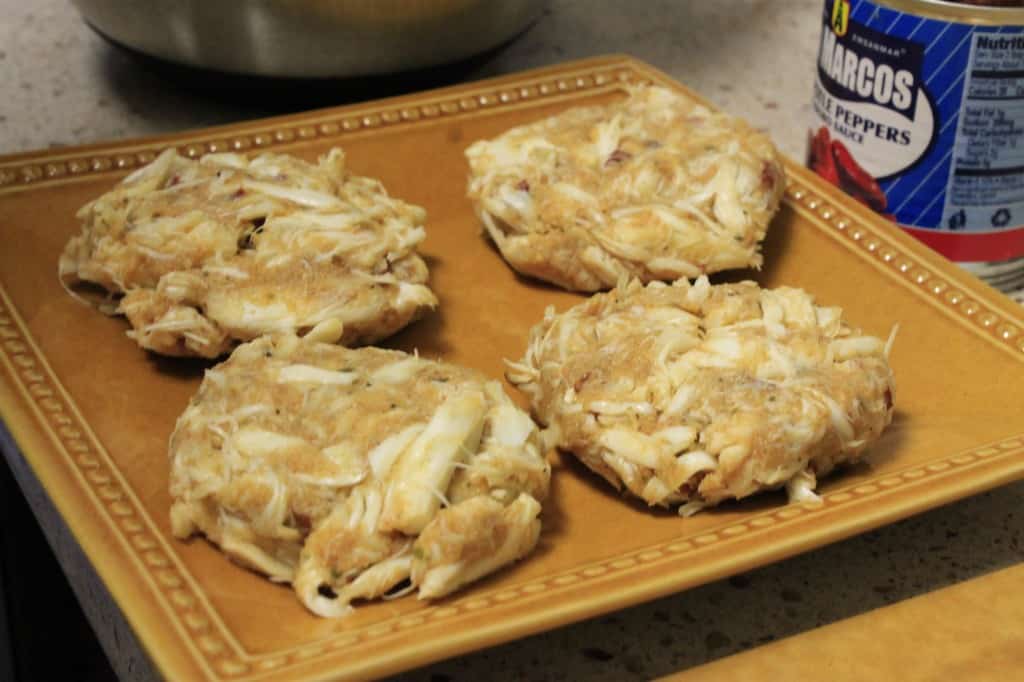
918, 112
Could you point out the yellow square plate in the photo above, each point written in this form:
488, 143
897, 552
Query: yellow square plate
92, 413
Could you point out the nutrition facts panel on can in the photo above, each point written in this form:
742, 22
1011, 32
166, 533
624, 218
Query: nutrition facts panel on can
986, 178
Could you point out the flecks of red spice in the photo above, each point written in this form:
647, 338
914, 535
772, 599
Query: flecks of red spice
618, 156
578, 386
691, 486
768, 177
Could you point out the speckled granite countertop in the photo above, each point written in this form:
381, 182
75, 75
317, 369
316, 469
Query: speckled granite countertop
62, 85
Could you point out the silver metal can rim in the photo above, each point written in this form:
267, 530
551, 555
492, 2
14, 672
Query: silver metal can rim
960, 13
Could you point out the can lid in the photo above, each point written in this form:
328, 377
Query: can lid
981, 12
991, 3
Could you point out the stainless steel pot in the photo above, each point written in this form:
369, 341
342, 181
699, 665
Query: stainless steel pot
310, 38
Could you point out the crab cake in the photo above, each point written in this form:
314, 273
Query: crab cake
211, 252
654, 187
694, 394
348, 472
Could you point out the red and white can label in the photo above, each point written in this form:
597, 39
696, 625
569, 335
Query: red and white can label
922, 119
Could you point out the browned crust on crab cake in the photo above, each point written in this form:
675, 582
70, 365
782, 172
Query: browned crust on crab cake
694, 394
348, 471
655, 186
211, 252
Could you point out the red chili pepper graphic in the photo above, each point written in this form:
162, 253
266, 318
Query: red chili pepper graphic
855, 180
821, 161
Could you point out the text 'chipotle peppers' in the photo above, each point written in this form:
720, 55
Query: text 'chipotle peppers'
916, 113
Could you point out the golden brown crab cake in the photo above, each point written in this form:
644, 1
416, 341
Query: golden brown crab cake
693, 394
655, 186
211, 252
349, 471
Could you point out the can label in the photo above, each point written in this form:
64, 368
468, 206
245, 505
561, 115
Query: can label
922, 119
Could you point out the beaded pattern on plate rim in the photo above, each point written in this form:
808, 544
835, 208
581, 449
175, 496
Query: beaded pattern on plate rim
216, 650
861, 237
29, 172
